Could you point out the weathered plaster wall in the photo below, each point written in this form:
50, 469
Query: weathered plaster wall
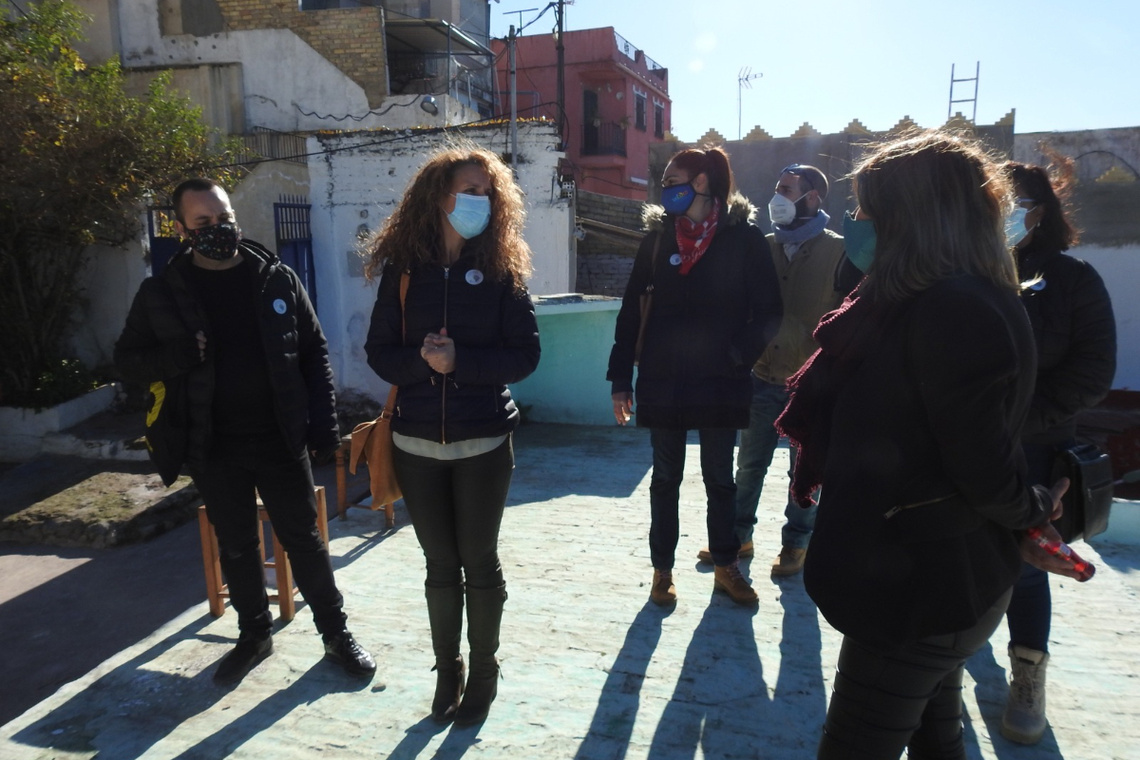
110, 279
282, 75
354, 186
605, 256
253, 199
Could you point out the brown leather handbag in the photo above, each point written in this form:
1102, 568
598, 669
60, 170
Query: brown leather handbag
372, 440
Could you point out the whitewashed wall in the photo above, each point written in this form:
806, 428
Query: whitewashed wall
109, 281
1120, 269
354, 186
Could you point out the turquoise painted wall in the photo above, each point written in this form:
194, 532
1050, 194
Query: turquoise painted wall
570, 384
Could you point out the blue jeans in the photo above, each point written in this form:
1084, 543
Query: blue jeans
1030, 612
757, 445
665, 489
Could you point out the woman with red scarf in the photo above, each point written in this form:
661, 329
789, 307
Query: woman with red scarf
714, 303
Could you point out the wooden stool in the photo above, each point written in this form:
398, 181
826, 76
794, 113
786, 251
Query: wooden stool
342, 504
217, 591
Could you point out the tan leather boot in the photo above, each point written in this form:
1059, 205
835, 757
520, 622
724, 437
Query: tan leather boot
663, 591
728, 579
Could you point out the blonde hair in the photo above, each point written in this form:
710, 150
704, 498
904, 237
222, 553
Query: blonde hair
412, 234
938, 202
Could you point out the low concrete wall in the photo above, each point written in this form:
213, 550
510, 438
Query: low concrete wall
22, 430
570, 384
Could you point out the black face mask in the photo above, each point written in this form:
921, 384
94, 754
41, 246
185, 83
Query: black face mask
218, 241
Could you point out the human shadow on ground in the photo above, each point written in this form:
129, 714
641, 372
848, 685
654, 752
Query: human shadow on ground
321, 679
612, 724
800, 690
720, 697
1118, 556
990, 692
151, 705
110, 600
459, 739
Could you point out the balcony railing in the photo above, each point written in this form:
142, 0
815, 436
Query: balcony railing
607, 139
268, 143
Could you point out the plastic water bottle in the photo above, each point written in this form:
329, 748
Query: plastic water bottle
1064, 551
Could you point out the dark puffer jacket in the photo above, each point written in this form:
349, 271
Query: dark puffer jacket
158, 343
705, 330
1075, 332
496, 343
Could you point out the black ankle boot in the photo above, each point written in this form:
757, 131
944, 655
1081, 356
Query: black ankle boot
449, 681
482, 688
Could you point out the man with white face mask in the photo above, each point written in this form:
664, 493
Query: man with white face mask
814, 276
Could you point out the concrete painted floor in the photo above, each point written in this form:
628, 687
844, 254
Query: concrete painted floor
591, 669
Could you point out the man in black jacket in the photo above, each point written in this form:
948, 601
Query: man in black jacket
231, 326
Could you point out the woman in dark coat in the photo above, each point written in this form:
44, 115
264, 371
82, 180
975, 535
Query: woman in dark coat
715, 306
1075, 333
466, 329
909, 416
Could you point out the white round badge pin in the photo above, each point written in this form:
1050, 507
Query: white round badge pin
474, 277
279, 306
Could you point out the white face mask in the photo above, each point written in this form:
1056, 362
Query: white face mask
782, 210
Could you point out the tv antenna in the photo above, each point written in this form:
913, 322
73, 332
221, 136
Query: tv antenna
743, 79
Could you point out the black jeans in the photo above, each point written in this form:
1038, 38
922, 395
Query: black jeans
227, 483
717, 448
456, 508
910, 698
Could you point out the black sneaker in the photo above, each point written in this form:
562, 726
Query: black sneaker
242, 658
352, 657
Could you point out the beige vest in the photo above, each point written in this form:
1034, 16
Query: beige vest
807, 286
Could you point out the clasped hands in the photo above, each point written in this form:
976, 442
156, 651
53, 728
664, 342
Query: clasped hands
438, 351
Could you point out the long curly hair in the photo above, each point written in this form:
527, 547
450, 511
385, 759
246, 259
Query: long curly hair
938, 201
413, 234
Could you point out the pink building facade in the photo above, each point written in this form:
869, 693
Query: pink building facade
617, 104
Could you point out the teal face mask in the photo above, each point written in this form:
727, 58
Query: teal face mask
860, 240
471, 214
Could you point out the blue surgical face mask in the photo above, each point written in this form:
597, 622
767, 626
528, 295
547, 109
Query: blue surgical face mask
860, 240
677, 198
470, 215
1015, 230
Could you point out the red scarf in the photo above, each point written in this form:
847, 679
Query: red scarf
694, 238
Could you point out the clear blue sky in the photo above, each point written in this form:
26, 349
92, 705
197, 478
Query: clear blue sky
1063, 65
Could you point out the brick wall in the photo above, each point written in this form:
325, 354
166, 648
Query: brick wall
352, 39
606, 258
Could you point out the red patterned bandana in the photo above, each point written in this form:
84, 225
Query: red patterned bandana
693, 238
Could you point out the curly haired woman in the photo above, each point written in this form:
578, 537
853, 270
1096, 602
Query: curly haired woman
463, 330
